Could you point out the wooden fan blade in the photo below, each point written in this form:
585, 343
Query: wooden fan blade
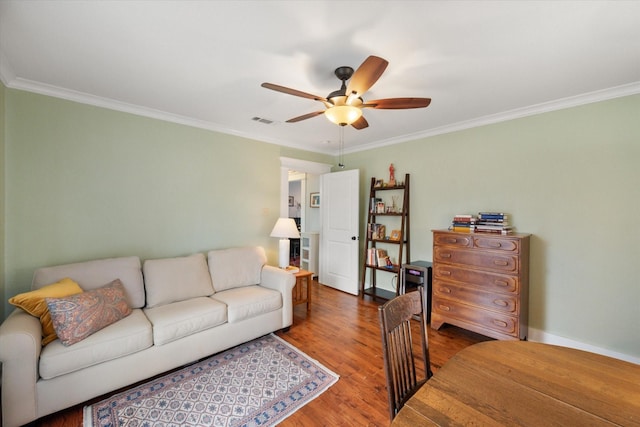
293, 92
366, 75
361, 123
305, 117
398, 103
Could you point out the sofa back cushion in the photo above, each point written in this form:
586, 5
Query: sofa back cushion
95, 274
236, 267
176, 279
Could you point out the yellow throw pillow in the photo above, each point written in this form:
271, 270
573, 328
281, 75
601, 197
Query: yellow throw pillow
34, 303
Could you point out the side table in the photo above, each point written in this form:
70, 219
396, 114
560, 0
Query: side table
303, 279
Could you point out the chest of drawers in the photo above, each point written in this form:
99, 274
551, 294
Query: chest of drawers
481, 283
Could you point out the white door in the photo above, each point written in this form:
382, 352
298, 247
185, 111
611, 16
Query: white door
339, 247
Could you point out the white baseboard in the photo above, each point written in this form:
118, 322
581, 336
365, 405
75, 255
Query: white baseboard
537, 335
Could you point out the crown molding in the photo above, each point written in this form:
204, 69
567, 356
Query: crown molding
96, 101
545, 107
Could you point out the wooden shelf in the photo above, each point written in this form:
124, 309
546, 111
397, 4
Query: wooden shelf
379, 293
393, 221
393, 242
394, 269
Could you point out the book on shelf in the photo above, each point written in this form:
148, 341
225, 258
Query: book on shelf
493, 221
379, 258
463, 223
374, 203
498, 228
503, 231
492, 227
462, 229
492, 216
371, 257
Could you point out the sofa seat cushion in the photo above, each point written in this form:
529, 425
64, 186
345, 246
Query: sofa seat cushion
179, 319
249, 301
126, 336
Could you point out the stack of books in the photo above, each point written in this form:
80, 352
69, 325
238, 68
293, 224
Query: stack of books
463, 223
378, 258
493, 222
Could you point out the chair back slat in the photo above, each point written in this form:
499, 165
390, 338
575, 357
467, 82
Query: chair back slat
398, 347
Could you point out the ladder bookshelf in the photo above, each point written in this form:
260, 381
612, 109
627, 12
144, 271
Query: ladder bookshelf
387, 230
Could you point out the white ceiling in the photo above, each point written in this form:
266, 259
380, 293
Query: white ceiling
202, 62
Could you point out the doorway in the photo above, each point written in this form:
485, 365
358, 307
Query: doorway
298, 179
297, 211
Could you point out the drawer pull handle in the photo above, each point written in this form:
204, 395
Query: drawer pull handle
496, 244
446, 255
445, 290
501, 303
452, 240
446, 273
446, 308
500, 262
500, 323
501, 283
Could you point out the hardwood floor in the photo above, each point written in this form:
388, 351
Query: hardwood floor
341, 331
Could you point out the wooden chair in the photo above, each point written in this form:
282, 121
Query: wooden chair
397, 347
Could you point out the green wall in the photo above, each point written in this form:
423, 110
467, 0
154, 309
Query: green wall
2, 173
84, 182
570, 178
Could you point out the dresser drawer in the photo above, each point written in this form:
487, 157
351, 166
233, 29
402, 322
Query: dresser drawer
485, 260
490, 282
450, 239
494, 321
496, 243
505, 303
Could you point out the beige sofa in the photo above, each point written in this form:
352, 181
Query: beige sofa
183, 309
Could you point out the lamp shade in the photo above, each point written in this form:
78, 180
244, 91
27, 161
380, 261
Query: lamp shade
343, 114
285, 228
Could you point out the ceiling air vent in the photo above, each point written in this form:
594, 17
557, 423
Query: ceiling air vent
261, 120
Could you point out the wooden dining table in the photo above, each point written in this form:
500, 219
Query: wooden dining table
509, 383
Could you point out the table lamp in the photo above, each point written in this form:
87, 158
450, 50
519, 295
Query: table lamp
285, 228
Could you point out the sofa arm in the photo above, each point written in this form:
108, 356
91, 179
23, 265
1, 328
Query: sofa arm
20, 347
282, 281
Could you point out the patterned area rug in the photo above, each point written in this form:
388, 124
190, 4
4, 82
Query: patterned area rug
258, 383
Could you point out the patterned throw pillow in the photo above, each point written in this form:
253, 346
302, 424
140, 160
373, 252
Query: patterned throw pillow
34, 303
78, 316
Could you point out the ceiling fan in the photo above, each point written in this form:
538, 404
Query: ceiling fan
344, 106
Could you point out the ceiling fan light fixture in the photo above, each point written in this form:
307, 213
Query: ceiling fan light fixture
343, 115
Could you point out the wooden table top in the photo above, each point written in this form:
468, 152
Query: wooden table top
303, 273
497, 383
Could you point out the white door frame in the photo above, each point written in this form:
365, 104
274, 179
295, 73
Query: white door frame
287, 164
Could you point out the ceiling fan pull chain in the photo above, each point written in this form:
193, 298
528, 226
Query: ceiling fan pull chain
341, 148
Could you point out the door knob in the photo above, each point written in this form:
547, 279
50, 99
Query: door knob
354, 238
